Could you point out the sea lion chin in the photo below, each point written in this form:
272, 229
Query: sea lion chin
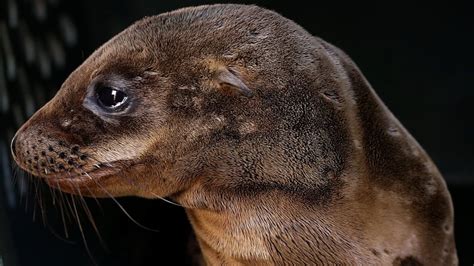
271, 138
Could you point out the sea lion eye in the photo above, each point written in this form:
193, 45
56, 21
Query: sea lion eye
109, 97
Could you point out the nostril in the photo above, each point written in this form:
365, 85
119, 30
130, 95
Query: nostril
13, 147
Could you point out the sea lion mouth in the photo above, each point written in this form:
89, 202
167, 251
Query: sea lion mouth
91, 178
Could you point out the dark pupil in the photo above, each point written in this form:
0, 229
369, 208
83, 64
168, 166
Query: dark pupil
110, 97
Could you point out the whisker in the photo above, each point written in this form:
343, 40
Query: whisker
92, 194
96, 200
21, 186
52, 193
61, 204
121, 207
60, 237
91, 218
69, 205
39, 198
35, 198
82, 233
166, 200
51, 190
15, 170
28, 190
41, 204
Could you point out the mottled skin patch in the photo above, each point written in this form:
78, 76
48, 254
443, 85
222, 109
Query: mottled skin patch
271, 138
407, 261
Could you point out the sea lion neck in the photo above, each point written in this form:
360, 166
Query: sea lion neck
240, 232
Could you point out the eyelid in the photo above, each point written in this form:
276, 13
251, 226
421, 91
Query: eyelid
108, 86
114, 81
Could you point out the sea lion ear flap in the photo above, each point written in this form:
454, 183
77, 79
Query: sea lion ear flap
229, 79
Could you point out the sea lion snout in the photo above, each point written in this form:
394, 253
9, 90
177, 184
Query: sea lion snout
46, 153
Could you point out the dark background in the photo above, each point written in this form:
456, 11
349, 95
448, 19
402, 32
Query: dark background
418, 58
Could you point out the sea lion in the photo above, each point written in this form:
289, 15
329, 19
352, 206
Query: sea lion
271, 138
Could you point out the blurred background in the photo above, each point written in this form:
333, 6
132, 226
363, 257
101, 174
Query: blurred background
418, 58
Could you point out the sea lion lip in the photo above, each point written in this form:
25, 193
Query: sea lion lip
87, 178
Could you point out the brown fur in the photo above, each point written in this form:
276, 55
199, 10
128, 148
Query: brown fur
271, 138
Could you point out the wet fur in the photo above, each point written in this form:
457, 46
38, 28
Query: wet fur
312, 168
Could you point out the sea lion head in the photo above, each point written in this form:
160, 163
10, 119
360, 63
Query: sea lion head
180, 97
